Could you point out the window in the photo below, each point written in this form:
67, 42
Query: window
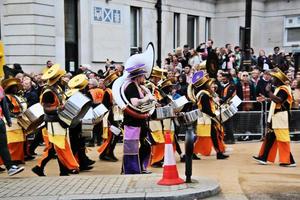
176, 31
192, 31
292, 31
135, 27
207, 28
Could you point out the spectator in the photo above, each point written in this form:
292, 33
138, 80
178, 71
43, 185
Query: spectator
183, 85
263, 62
188, 73
262, 83
278, 59
195, 58
246, 91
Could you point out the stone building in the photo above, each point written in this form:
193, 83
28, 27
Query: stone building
90, 31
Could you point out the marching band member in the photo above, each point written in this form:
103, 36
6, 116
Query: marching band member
17, 105
79, 83
4, 151
278, 136
111, 130
156, 126
55, 134
135, 159
211, 130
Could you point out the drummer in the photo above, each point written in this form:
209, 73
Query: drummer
211, 131
110, 135
17, 105
79, 83
55, 134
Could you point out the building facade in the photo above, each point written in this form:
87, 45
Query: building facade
73, 32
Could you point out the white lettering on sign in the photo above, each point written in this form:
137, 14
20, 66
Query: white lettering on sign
106, 14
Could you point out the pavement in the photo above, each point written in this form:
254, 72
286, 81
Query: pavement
239, 177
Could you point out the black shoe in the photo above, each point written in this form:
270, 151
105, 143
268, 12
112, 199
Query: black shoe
287, 165
38, 171
221, 156
2, 169
90, 162
85, 168
259, 160
157, 165
74, 171
107, 158
182, 158
29, 157
114, 157
195, 157
146, 172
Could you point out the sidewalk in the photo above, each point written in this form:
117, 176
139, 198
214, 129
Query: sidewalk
104, 187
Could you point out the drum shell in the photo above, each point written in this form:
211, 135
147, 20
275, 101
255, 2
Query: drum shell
32, 118
75, 109
165, 112
99, 113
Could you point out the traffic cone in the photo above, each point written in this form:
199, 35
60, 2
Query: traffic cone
170, 174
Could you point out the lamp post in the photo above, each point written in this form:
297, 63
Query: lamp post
158, 6
247, 39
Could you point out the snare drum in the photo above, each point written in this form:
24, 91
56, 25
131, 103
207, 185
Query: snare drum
75, 109
99, 113
165, 112
32, 118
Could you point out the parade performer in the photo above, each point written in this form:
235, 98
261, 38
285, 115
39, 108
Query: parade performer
135, 158
278, 136
17, 105
79, 83
4, 151
55, 134
209, 129
157, 126
110, 135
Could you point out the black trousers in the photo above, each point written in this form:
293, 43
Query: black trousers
38, 138
145, 147
4, 153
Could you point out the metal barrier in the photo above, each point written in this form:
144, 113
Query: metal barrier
253, 123
249, 123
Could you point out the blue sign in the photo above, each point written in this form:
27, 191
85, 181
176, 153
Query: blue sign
107, 15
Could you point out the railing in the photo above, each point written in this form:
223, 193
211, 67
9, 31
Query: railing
253, 123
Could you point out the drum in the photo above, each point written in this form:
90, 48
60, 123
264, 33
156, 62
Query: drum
88, 124
75, 109
192, 116
179, 103
99, 113
227, 111
165, 112
32, 118
188, 117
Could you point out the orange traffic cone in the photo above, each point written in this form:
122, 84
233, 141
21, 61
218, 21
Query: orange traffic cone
170, 175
